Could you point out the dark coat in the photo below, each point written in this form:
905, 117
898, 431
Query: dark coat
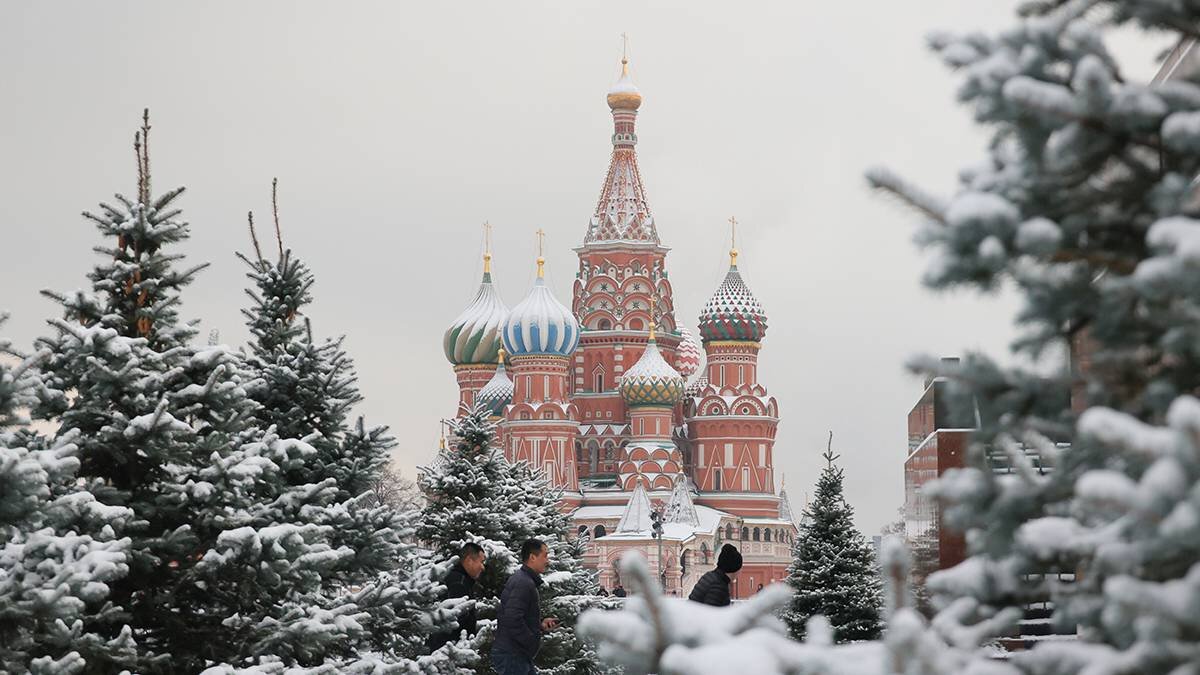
458, 584
712, 589
519, 623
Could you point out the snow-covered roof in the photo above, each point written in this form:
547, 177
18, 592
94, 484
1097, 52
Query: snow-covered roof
681, 509
709, 519
637, 512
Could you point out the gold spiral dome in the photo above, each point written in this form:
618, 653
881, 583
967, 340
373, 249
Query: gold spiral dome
624, 95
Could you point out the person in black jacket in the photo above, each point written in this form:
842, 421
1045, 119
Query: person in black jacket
519, 624
713, 587
460, 583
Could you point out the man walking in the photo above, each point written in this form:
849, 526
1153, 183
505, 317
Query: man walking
520, 625
460, 583
713, 587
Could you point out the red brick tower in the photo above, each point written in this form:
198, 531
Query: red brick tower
731, 419
540, 425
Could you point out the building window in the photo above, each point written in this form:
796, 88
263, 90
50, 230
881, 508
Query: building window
745, 534
599, 531
605, 324
745, 478
757, 534
598, 380
729, 530
741, 374
635, 324
717, 479
582, 530
767, 534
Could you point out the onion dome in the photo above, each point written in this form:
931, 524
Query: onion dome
498, 392
698, 385
651, 381
733, 313
624, 95
540, 324
474, 337
687, 359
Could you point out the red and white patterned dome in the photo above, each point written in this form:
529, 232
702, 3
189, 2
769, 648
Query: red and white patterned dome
688, 358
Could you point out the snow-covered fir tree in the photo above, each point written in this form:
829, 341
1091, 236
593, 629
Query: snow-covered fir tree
166, 430
833, 570
307, 389
59, 547
474, 494
1087, 205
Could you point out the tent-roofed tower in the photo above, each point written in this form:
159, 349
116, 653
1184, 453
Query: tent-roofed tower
622, 280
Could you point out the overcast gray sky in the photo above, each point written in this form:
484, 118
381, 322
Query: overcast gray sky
396, 129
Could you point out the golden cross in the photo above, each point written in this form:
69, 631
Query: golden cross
541, 234
624, 47
732, 232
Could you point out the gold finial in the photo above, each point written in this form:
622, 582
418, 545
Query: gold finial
502, 354
487, 247
733, 252
442, 439
541, 261
652, 316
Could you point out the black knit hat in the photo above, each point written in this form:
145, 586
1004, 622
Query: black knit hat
730, 559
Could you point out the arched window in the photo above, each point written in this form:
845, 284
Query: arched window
729, 530
605, 324
704, 551
717, 479
757, 534
636, 324
683, 562
599, 532
767, 534
582, 530
745, 534
598, 379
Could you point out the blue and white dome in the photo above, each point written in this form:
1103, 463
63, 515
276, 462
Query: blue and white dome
498, 392
540, 324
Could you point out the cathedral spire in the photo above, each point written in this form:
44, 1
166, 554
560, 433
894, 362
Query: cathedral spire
622, 213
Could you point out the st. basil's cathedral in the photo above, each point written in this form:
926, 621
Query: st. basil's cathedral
619, 438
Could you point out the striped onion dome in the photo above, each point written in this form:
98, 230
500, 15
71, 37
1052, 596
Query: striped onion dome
733, 313
498, 392
651, 381
474, 337
688, 357
540, 324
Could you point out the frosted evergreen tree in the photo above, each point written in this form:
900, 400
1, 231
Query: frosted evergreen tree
165, 430
59, 547
474, 494
307, 390
833, 570
1087, 205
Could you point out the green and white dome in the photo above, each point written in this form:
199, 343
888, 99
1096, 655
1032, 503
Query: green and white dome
474, 337
651, 381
